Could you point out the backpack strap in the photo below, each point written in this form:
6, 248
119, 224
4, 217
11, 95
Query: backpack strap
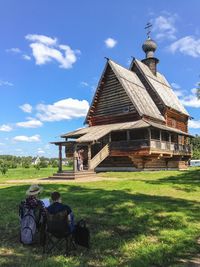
21, 209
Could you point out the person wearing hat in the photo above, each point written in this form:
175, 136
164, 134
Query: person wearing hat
33, 202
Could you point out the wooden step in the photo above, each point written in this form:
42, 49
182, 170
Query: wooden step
73, 175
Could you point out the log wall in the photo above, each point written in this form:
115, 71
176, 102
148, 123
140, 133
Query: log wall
111, 104
141, 163
176, 120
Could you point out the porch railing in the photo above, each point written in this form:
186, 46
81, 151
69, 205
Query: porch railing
154, 144
170, 146
129, 145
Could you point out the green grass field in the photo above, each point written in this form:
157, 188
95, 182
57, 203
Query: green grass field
137, 220
29, 173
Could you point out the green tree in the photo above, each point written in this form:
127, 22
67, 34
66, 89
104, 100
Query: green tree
196, 147
198, 90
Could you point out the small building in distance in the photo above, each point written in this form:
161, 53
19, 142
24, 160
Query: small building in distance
135, 121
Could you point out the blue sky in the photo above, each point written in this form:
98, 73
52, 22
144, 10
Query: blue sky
52, 55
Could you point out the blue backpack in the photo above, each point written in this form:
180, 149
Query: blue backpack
28, 227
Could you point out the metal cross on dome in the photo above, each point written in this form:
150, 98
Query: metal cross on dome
148, 27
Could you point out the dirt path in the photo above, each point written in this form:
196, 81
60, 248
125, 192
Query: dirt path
57, 181
194, 262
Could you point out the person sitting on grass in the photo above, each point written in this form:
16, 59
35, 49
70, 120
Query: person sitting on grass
33, 202
57, 207
32, 214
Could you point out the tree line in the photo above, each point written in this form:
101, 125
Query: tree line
12, 162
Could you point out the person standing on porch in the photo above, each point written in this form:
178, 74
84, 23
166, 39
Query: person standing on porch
80, 159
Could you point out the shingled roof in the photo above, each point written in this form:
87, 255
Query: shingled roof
161, 86
94, 133
136, 91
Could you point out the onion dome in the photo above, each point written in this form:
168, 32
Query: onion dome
149, 47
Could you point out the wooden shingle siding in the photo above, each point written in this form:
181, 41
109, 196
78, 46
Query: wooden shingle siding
113, 99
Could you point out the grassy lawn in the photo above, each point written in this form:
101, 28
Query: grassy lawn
148, 219
29, 173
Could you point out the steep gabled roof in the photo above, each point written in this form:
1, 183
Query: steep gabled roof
160, 85
135, 90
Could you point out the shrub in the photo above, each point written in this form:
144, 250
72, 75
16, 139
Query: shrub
43, 164
54, 164
3, 168
25, 164
37, 166
13, 165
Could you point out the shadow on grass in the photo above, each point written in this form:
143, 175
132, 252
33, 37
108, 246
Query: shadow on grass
187, 181
126, 229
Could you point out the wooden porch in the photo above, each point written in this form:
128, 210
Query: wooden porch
154, 144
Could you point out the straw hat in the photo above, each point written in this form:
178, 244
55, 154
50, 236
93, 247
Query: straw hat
34, 189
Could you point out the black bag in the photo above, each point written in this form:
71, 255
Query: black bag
82, 234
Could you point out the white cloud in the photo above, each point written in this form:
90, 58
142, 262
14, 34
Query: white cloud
40, 151
26, 108
177, 90
164, 27
194, 124
46, 49
14, 50
187, 45
41, 39
23, 138
65, 109
178, 93
110, 42
175, 85
84, 84
33, 123
5, 128
26, 57
5, 83
191, 99
2, 144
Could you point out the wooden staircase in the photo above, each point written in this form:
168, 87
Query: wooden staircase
99, 157
94, 162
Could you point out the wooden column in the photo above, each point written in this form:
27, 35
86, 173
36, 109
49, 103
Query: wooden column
160, 139
128, 135
149, 131
60, 159
89, 156
109, 138
75, 159
170, 141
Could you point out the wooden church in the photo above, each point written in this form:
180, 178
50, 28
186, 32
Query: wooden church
135, 122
